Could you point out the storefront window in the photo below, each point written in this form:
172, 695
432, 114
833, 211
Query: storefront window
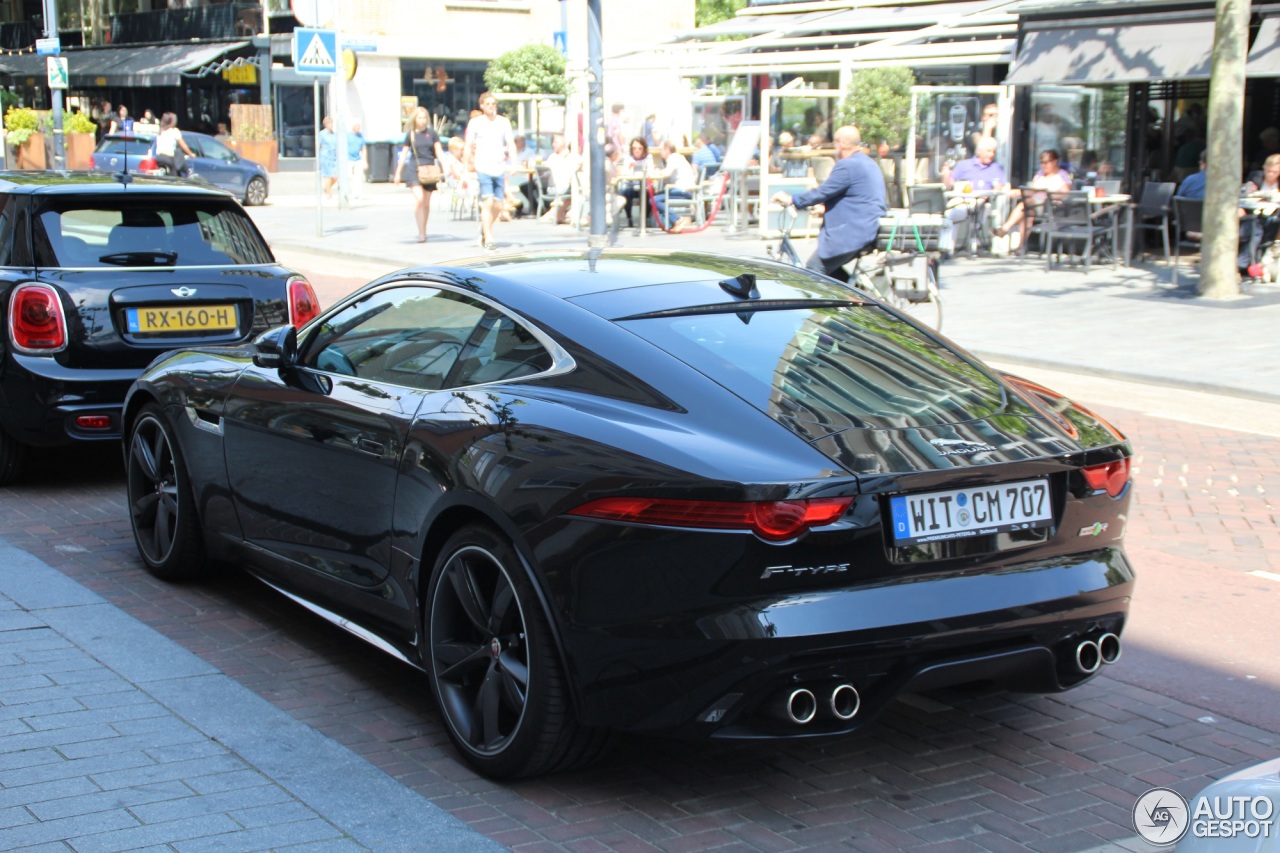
949, 121
1085, 125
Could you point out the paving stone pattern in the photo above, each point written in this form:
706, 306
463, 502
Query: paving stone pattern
947, 772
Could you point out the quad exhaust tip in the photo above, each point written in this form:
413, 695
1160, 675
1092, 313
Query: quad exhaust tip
802, 706
1109, 647
1088, 657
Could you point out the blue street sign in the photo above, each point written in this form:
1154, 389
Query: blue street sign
49, 46
360, 45
315, 51
561, 41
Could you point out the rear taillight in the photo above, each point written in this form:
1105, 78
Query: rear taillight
92, 162
774, 521
1112, 476
36, 322
303, 304
148, 164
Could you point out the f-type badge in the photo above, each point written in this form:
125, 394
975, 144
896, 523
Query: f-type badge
960, 447
183, 292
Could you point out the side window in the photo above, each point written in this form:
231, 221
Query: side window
411, 336
502, 349
195, 146
216, 150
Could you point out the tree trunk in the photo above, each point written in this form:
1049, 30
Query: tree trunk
1219, 246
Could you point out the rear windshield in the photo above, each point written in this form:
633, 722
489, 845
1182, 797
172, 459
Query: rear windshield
118, 145
840, 367
145, 231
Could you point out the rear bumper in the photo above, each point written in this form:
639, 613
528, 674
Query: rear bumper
40, 400
1018, 626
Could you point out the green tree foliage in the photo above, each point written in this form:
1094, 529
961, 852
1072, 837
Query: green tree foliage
711, 11
878, 101
533, 68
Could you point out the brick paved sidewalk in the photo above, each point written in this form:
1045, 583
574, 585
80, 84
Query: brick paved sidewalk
115, 738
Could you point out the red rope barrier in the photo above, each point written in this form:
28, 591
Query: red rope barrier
715, 207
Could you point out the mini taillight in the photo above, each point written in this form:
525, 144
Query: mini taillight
775, 521
1112, 476
93, 421
36, 324
303, 304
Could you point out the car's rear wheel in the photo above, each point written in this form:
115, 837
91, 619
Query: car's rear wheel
161, 505
11, 453
493, 664
256, 192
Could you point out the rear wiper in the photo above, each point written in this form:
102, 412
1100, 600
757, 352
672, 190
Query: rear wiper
155, 258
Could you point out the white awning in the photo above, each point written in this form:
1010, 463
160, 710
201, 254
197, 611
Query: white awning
1264, 56
1125, 53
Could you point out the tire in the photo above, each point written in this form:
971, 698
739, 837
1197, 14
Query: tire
256, 192
493, 665
162, 509
11, 455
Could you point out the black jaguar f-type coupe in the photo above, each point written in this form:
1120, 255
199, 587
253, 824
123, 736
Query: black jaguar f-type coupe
662, 493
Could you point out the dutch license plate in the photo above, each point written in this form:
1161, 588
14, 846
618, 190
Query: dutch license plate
186, 318
977, 511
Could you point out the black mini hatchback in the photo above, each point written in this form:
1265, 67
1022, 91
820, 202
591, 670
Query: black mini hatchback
99, 276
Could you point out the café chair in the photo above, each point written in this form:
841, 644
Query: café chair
1072, 221
1188, 227
1153, 213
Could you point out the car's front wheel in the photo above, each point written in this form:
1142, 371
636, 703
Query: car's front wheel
493, 664
256, 192
161, 505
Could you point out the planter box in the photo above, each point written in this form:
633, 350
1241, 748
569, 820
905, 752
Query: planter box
263, 151
79, 150
30, 154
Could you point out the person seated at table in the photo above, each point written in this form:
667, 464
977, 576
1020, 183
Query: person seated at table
680, 180
522, 190
980, 172
562, 164
1258, 228
1193, 185
707, 155
789, 164
639, 163
1051, 178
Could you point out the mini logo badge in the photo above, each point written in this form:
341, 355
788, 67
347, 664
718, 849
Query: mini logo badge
960, 446
1160, 816
183, 292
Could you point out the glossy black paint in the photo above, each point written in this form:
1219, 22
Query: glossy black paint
41, 394
341, 492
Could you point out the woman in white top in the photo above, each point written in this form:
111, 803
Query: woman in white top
680, 180
169, 143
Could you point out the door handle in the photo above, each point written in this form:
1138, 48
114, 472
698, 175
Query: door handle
368, 445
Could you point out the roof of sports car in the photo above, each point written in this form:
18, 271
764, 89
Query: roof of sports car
577, 273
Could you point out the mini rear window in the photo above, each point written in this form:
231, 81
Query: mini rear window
145, 231
119, 145
836, 366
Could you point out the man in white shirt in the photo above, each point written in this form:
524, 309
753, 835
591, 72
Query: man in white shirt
680, 181
563, 164
491, 151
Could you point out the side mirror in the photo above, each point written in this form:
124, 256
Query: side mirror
276, 348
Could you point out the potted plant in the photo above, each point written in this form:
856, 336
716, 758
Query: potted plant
26, 142
77, 130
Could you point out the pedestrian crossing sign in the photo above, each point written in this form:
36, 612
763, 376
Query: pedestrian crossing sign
57, 67
315, 51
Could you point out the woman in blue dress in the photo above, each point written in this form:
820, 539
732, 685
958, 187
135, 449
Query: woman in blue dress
328, 149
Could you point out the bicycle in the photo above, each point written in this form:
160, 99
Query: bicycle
912, 291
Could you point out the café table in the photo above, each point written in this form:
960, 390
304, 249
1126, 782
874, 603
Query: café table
618, 183
987, 203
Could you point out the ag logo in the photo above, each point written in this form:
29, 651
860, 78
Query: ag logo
1160, 816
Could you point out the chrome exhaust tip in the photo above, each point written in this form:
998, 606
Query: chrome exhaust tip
1109, 647
845, 701
1088, 657
801, 706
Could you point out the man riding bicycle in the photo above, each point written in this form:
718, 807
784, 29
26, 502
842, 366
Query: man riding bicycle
854, 199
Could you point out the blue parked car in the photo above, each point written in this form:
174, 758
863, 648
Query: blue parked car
214, 162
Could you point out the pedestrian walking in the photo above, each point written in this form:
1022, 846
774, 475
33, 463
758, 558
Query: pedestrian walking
422, 155
491, 150
357, 159
327, 146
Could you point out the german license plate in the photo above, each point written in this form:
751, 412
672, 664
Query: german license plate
186, 318
977, 511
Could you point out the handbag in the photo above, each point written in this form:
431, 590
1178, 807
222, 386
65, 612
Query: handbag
428, 174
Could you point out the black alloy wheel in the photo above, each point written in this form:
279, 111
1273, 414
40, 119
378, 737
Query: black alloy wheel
494, 668
256, 192
161, 507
